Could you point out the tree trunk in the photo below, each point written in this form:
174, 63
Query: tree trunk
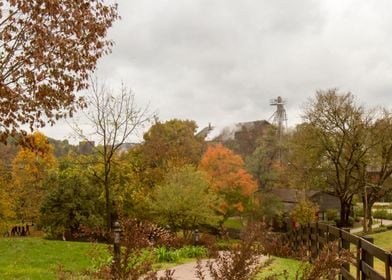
369, 216
108, 209
344, 214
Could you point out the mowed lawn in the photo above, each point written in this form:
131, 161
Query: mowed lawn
282, 268
384, 241
37, 258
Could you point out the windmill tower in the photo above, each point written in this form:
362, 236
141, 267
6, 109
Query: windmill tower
279, 119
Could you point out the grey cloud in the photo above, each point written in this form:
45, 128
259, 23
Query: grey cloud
221, 61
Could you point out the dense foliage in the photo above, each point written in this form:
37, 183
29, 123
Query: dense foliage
184, 201
228, 178
48, 49
73, 202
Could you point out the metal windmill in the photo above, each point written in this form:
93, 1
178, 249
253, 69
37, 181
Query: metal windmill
279, 120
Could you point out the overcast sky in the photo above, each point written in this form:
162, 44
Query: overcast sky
221, 61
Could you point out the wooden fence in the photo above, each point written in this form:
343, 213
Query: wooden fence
314, 236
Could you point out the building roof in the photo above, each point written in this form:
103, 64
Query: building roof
290, 197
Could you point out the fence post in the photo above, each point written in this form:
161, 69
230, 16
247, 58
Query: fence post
309, 234
345, 245
366, 257
301, 235
313, 242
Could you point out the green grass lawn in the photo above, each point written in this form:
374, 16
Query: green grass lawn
278, 266
383, 240
234, 223
37, 258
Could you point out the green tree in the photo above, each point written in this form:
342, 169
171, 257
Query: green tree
73, 201
378, 165
263, 163
305, 212
306, 168
48, 49
114, 118
183, 200
341, 130
267, 207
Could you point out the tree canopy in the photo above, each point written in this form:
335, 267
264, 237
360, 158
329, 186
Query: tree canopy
184, 200
114, 118
228, 178
74, 201
167, 145
29, 170
48, 49
337, 138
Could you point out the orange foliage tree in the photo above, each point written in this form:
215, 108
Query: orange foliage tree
228, 178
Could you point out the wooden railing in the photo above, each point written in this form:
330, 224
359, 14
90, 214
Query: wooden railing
314, 236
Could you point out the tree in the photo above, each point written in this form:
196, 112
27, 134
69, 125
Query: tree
168, 145
305, 212
73, 201
183, 200
268, 207
340, 129
114, 119
377, 182
6, 211
306, 168
228, 178
29, 169
48, 49
243, 137
263, 163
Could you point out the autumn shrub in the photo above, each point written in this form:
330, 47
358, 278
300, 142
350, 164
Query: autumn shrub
328, 263
276, 244
136, 258
208, 241
305, 212
240, 262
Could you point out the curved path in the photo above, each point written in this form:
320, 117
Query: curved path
384, 223
187, 271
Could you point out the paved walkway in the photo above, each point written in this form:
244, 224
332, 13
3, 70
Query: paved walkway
187, 271
384, 223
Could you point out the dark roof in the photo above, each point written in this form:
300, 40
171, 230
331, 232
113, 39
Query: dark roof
325, 201
290, 197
